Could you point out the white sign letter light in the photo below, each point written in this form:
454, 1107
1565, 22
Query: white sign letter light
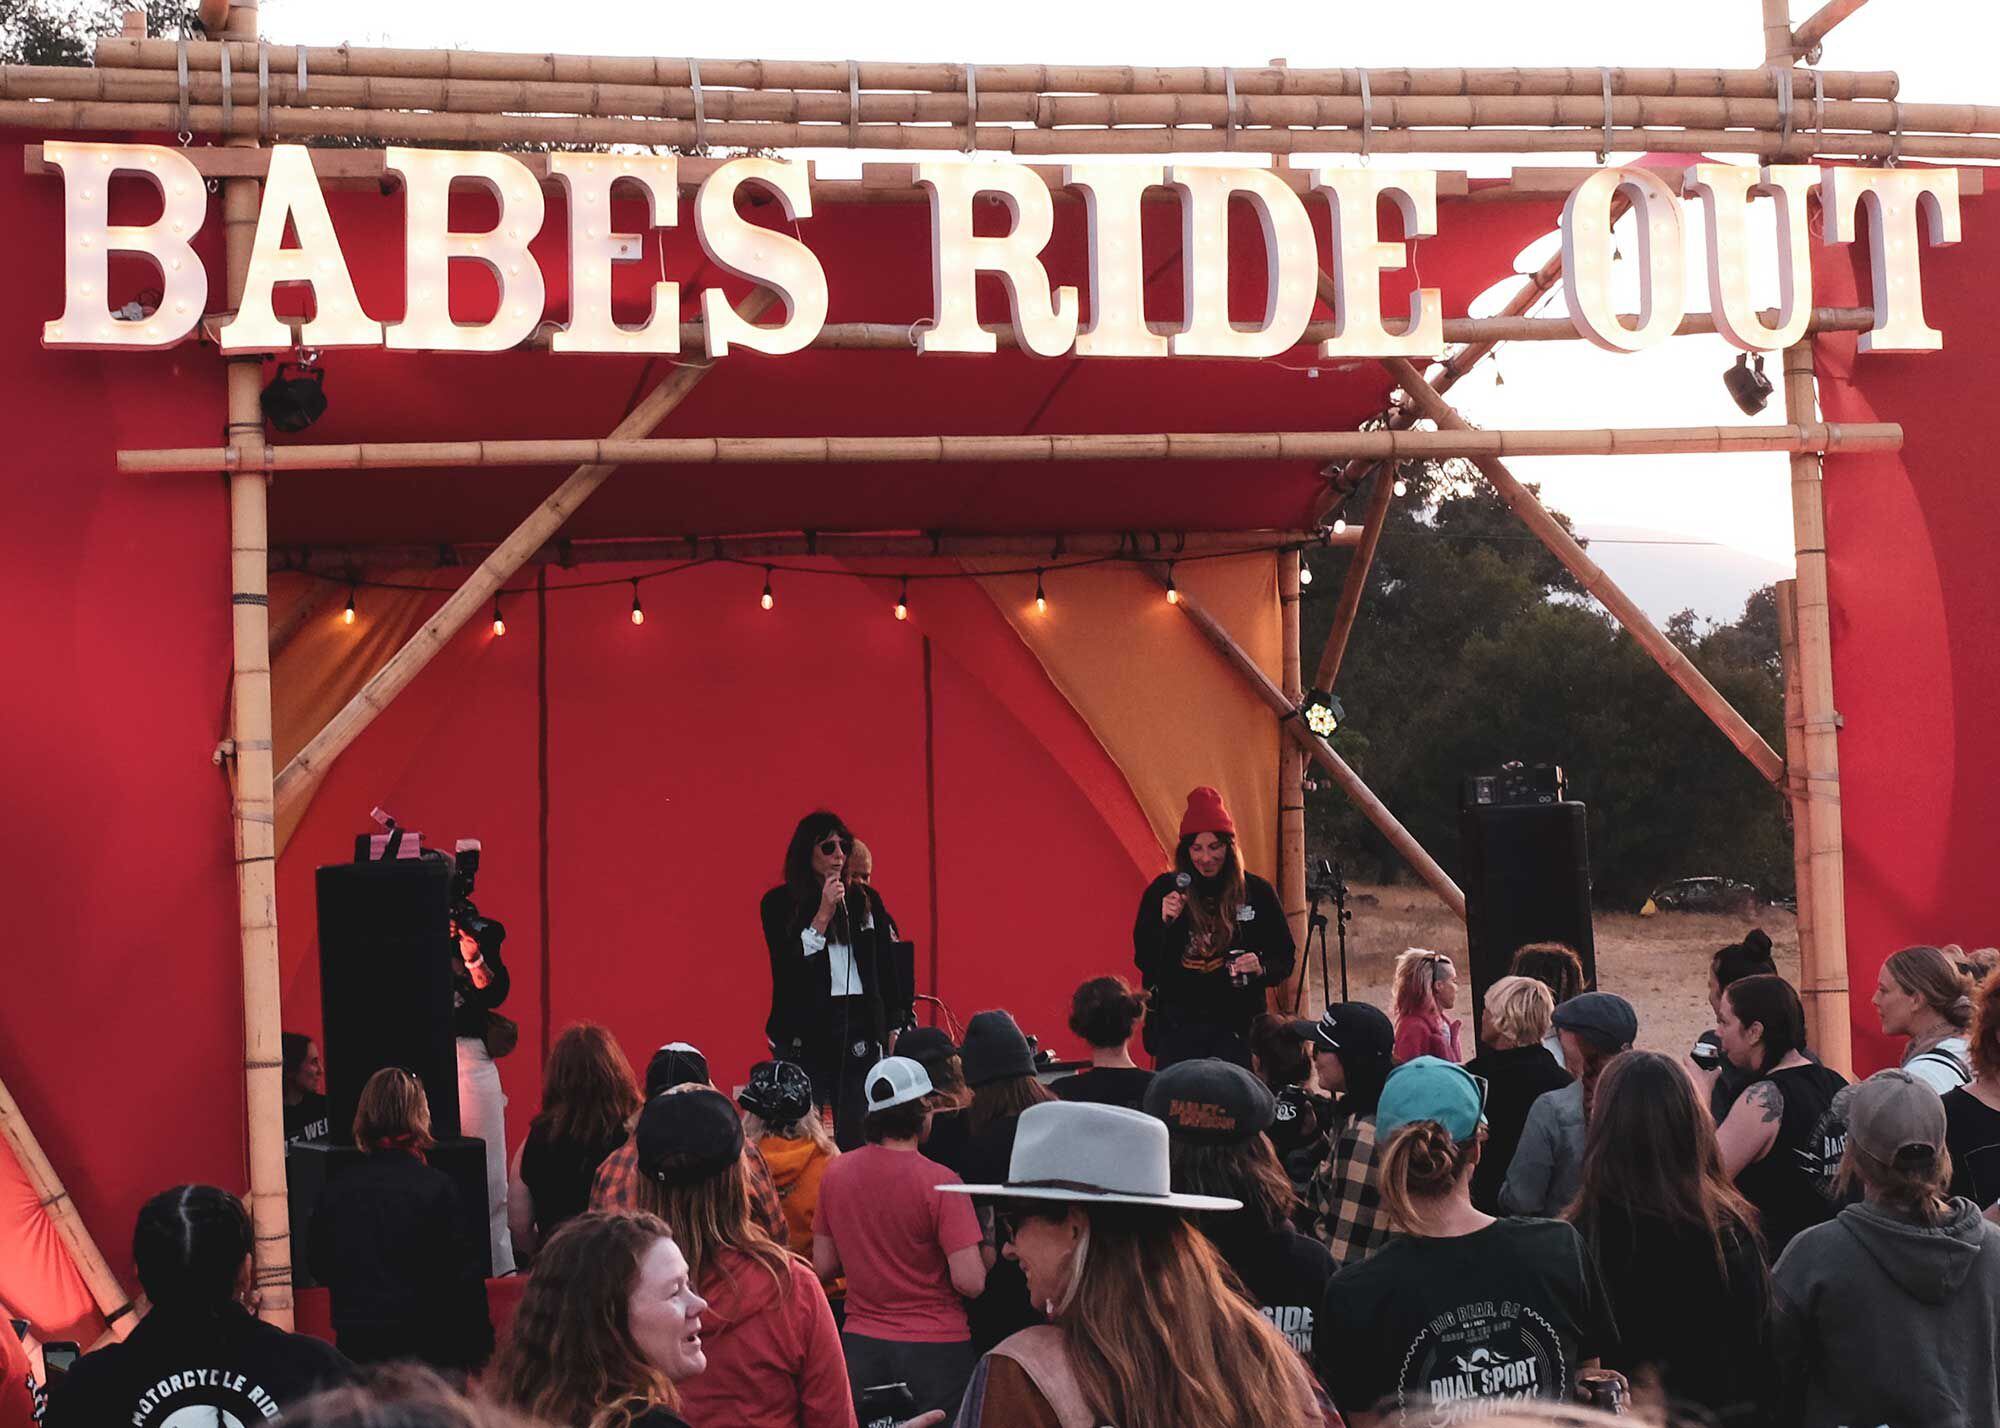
1894, 198
1044, 320
292, 193
90, 239
430, 247
760, 255
1111, 197
1726, 191
1587, 250
1291, 270
1360, 258
594, 246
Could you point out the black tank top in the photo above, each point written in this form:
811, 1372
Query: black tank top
1785, 1186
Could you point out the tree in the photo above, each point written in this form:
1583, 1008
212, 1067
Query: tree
1475, 646
63, 31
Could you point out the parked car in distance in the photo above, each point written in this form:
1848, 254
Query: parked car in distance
1701, 895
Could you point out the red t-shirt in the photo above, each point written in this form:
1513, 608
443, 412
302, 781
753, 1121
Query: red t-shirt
895, 1231
20, 1396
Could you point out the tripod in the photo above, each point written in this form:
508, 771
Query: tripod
1330, 887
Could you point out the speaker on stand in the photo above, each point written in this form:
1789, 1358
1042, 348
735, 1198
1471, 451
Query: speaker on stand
1524, 856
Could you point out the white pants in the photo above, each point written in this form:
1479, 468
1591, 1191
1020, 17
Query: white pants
482, 1111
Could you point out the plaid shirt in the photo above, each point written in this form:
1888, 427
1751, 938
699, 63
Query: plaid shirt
617, 1186
1346, 1195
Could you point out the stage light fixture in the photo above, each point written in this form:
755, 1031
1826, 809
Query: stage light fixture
1748, 386
767, 600
638, 614
296, 397
1041, 597
1322, 713
903, 600
347, 615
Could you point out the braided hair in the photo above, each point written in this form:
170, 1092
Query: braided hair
189, 1245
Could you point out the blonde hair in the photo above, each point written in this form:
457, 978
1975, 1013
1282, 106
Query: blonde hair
712, 1216
1520, 1009
393, 1111
1422, 1162
807, 1127
1926, 973
1416, 974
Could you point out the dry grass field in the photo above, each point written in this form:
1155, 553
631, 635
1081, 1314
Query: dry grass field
1659, 964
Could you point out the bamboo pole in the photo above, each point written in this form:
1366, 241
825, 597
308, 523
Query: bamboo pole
470, 599
336, 562
1798, 805
991, 79
383, 125
1564, 547
250, 766
1321, 753
105, 1291
1808, 37
214, 15
1778, 45
1461, 441
1046, 111
1291, 771
1354, 584
1824, 979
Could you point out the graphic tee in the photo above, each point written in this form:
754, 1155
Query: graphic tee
307, 1122
1439, 1331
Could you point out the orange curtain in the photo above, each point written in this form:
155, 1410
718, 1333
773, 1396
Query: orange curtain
1171, 712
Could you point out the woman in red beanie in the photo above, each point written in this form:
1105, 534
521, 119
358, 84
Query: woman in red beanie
1209, 939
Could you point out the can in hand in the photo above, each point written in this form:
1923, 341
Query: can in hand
1603, 1389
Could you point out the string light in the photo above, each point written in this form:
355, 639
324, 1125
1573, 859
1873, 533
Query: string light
1173, 591
1402, 487
903, 600
499, 624
1340, 527
638, 615
768, 599
348, 614
1041, 599
1305, 572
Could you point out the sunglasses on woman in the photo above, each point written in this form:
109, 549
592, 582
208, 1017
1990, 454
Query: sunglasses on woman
831, 846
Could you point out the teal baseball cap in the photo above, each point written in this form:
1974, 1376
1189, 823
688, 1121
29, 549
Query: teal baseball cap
1430, 1089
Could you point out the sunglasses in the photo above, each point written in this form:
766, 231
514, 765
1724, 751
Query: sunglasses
831, 846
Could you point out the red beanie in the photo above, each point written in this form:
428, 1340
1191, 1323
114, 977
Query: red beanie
1205, 814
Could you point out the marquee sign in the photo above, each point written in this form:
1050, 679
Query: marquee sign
1046, 319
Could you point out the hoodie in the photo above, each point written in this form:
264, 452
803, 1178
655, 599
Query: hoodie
1883, 1322
774, 1360
796, 1166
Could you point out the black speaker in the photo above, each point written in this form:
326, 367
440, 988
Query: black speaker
385, 983
309, 1169
1526, 871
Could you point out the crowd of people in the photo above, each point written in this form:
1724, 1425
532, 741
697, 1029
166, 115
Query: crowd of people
1284, 1223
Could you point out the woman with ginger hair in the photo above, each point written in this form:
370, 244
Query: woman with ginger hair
589, 1096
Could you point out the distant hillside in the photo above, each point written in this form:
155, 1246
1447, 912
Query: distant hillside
1667, 572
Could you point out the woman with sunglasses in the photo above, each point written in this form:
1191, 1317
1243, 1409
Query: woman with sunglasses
1209, 938
835, 993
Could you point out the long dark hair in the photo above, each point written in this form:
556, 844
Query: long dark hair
1249, 1172
1771, 1002
813, 829
1213, 918
1650, 1153
189, 1246
1008, 1096
588, 1089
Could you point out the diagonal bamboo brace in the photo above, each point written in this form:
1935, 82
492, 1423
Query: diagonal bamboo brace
110, 1297
1564, 547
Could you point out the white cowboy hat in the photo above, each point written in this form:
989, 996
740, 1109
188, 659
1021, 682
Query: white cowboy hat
1092, 1155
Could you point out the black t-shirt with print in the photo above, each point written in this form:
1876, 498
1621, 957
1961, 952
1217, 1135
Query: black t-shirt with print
307, 1123
1436, 1331
1285, 1272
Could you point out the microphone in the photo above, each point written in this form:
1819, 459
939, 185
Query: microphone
1182, 881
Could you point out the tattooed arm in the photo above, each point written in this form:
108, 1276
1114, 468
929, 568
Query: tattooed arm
1747, 1133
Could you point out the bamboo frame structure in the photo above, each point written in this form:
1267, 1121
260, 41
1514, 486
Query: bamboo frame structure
1823, 958
1808, 37
1321, 753
1564, 547
250, 769
1798, 794
106, 1292
1354, 584
1460, 441
340, 562
469, 600
1291, 764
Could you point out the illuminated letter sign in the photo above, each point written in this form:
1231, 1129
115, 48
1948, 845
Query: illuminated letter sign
1894, 198
291, 193
87, 319
1044, 321
759, 255
594, 245
430, 248
1360, 259
1587, 250
1290, 262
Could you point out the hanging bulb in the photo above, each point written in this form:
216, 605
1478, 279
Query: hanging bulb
499, 624
1173, 591
903, 600
638, 615
1340, 527
348, 615
1041, 599
1305, 573
767, 600
1402, 487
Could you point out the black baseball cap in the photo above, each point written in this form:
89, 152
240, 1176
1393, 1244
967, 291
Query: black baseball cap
1210, 1102
1349, 1028
929, 1045
675, 1064
688, 1136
